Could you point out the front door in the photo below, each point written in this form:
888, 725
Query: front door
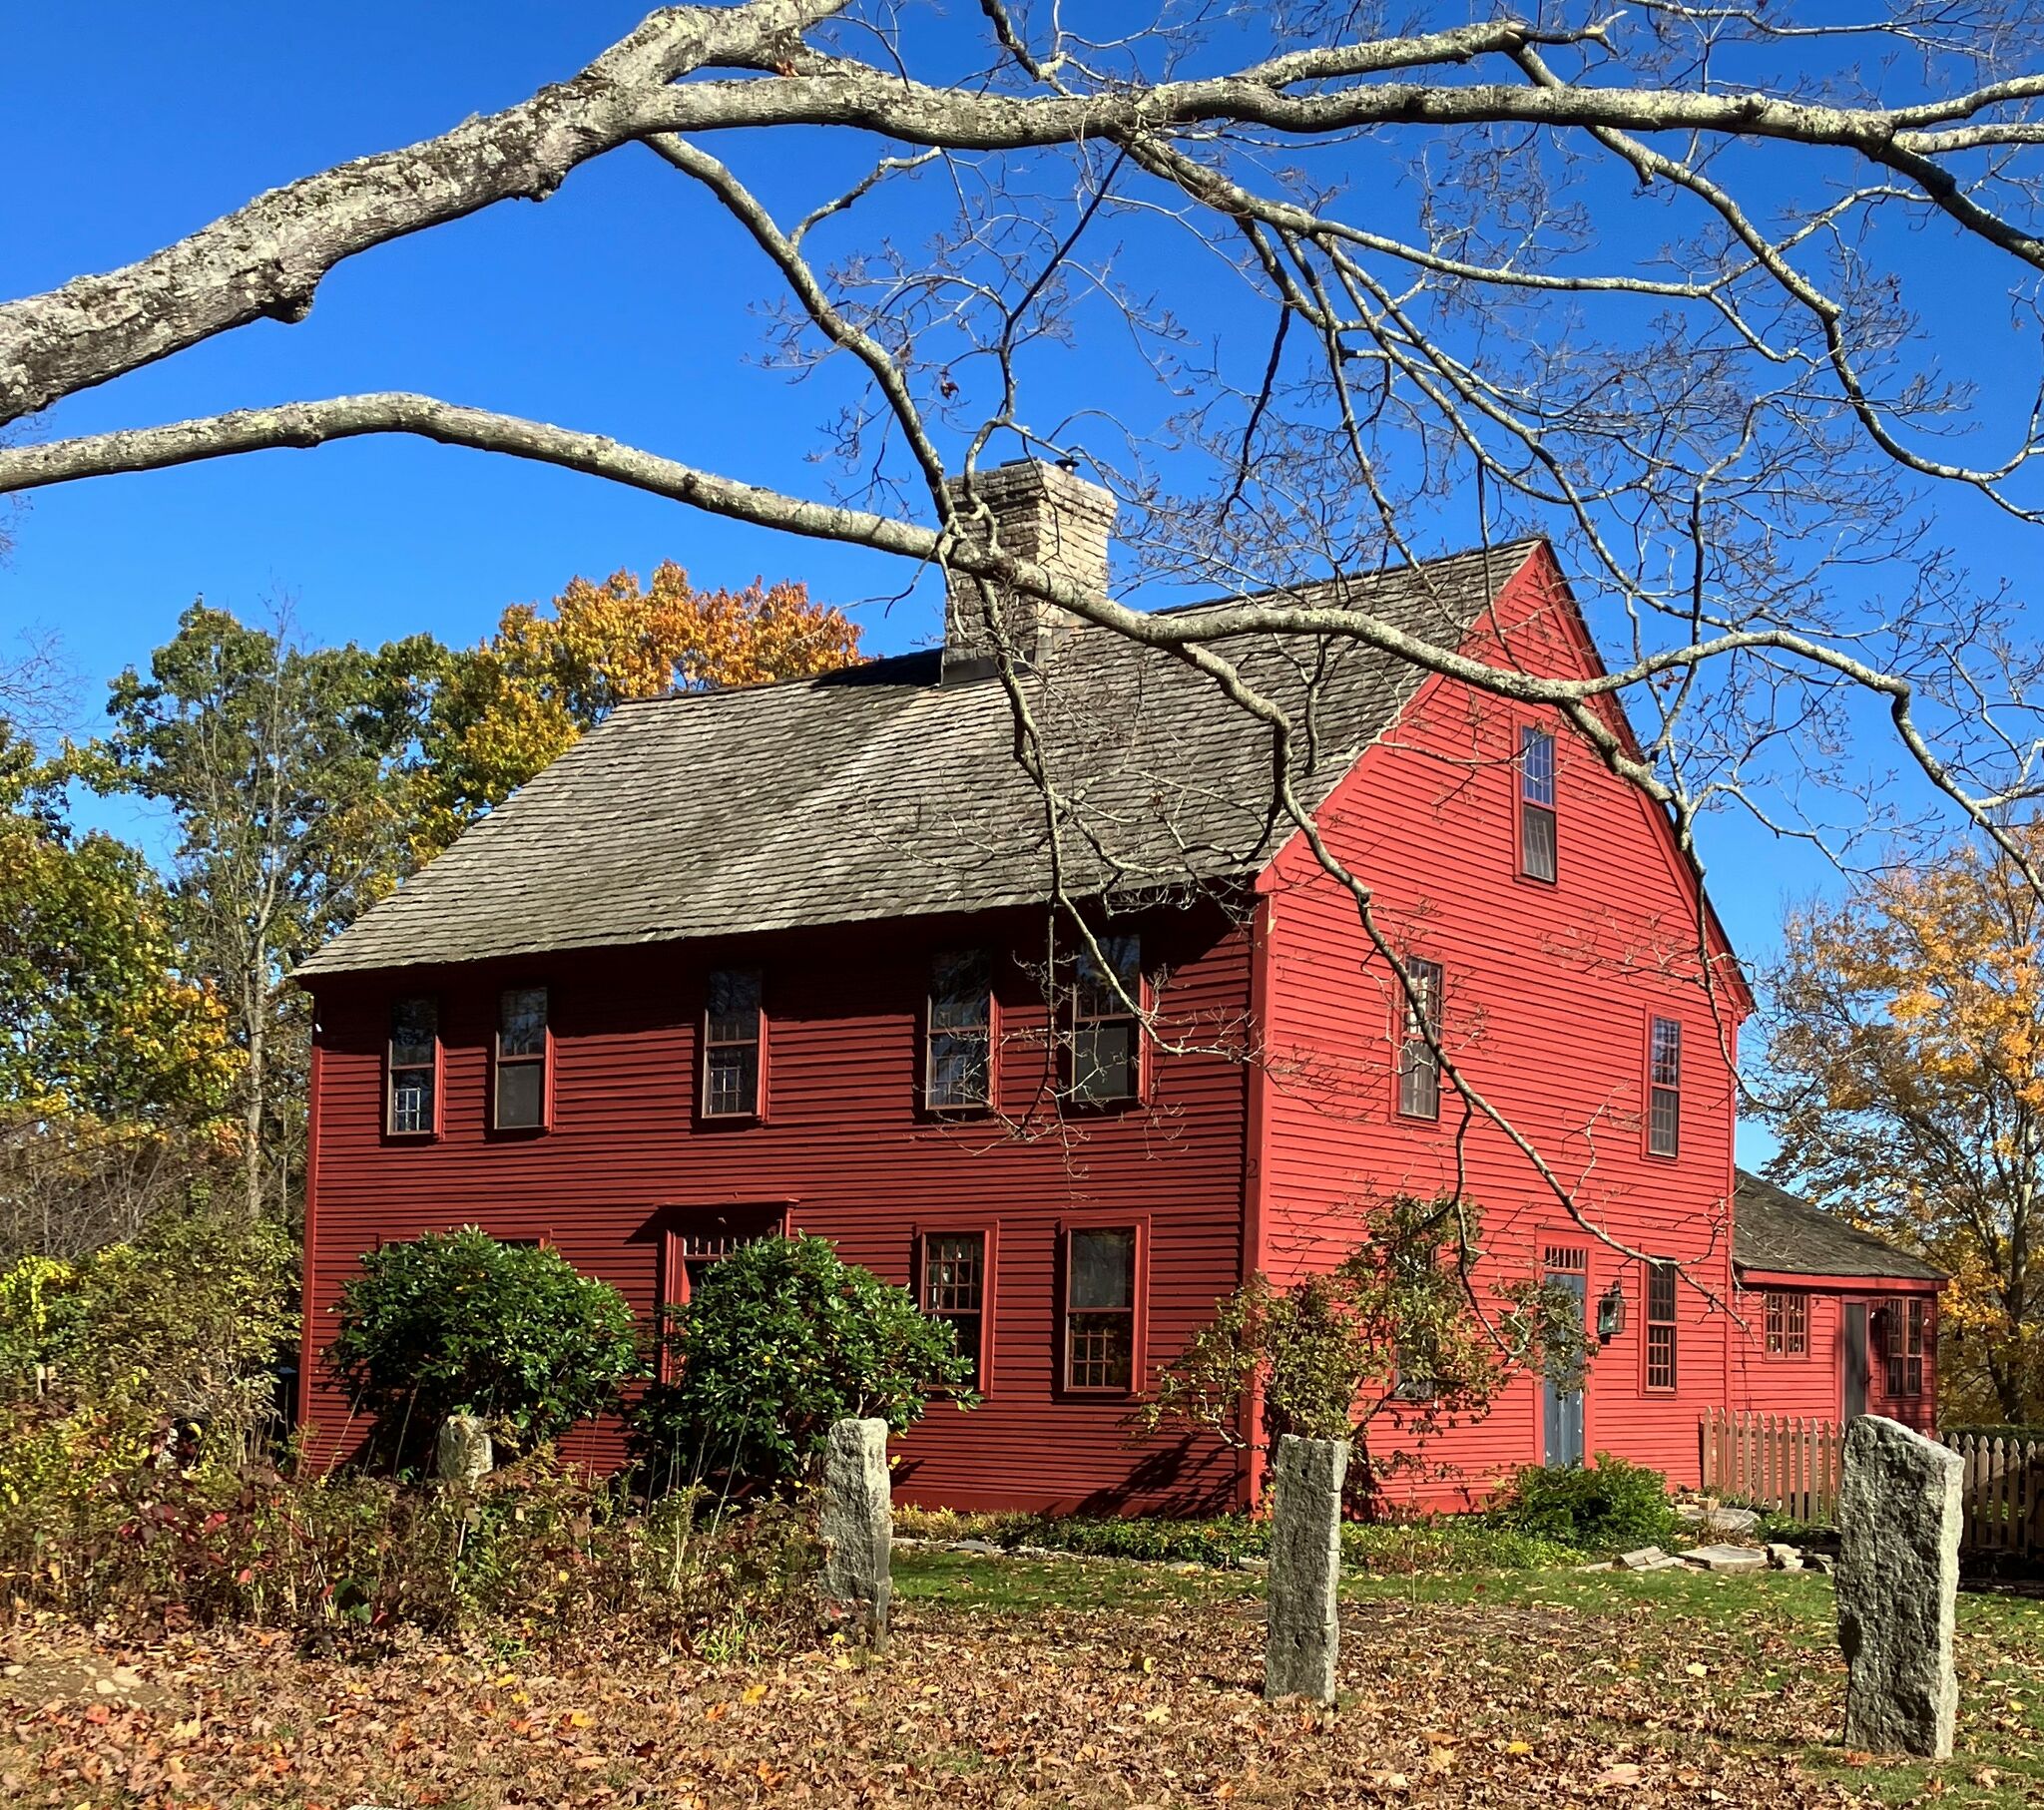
1855, 1359
1564, 1419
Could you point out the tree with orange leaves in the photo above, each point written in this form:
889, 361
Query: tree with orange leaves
1909, 1051
503, 711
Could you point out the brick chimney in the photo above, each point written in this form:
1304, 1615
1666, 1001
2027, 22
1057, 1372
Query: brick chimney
1041, 513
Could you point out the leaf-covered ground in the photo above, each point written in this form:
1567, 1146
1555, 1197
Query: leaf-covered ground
1067, 1683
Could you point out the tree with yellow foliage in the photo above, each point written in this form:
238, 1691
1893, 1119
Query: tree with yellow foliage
1908, 1050
504, 710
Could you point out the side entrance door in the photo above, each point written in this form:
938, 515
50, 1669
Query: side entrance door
1855, 1359
1564, 1410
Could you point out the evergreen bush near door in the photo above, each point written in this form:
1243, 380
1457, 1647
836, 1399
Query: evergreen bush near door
781, 1338
1610, 1506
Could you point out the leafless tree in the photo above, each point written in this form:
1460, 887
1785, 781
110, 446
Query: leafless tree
1635, 278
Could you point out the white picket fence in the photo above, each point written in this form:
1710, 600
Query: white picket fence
1790, 1463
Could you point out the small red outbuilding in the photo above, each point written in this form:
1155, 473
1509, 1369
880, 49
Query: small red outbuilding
1835, 1322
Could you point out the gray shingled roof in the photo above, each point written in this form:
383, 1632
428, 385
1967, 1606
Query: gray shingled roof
877, 792
1772, 1230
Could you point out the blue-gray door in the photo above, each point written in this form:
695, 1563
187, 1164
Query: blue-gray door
1564, 1418
1855, 1359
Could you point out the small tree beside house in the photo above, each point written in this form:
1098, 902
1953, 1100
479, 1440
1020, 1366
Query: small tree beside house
1399, 1332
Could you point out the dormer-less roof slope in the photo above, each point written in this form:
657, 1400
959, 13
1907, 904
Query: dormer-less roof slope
877, 792
1776, 1233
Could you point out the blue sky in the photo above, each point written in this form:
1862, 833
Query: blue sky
610, 307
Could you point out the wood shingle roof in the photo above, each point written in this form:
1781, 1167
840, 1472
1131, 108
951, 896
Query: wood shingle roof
1772, 1230
879, 792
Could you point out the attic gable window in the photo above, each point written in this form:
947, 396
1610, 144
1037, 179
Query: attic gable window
1419, 1069
958, 1062
519, 1078
734, 1045
1663, 1086
1538, 858
412, 1068
1107, 1029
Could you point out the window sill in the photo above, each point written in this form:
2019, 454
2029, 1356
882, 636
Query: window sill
724, 1121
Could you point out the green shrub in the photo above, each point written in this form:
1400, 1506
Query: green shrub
1604, 1507
194, 1305
781, 1339
457, 1320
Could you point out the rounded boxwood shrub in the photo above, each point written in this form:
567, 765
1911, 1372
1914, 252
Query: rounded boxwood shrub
1609, 1505
459, 1320
781, 1338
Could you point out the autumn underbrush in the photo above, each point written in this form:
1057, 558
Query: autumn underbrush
114, 1525
1228, 1542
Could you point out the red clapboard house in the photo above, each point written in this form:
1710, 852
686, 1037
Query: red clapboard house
785, 959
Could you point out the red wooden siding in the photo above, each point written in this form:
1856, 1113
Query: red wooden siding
1548, 993
844, 1143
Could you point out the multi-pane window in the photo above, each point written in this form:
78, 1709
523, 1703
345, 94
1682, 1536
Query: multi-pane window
1661, 1325
1099, 1308
1537, 853
1906, 1321
413, 1066
521, 1060
1419, 1069
1787, 1318
1107, 1031
1664, 1088
730, 1045
954, 1288
960, 1060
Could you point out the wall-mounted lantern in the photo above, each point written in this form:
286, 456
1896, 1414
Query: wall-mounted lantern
1611, 1312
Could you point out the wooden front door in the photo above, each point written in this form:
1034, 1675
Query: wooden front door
1855, 1359
1564, 1409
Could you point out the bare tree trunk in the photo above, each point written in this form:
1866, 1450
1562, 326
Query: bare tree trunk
256, 1101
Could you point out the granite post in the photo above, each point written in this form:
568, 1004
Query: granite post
1898, 1582
463, 1454
1302, 1635
857, 1526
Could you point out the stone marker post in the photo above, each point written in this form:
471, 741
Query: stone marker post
1301, 1634
857, 1526
463, 1454
1899, 1579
